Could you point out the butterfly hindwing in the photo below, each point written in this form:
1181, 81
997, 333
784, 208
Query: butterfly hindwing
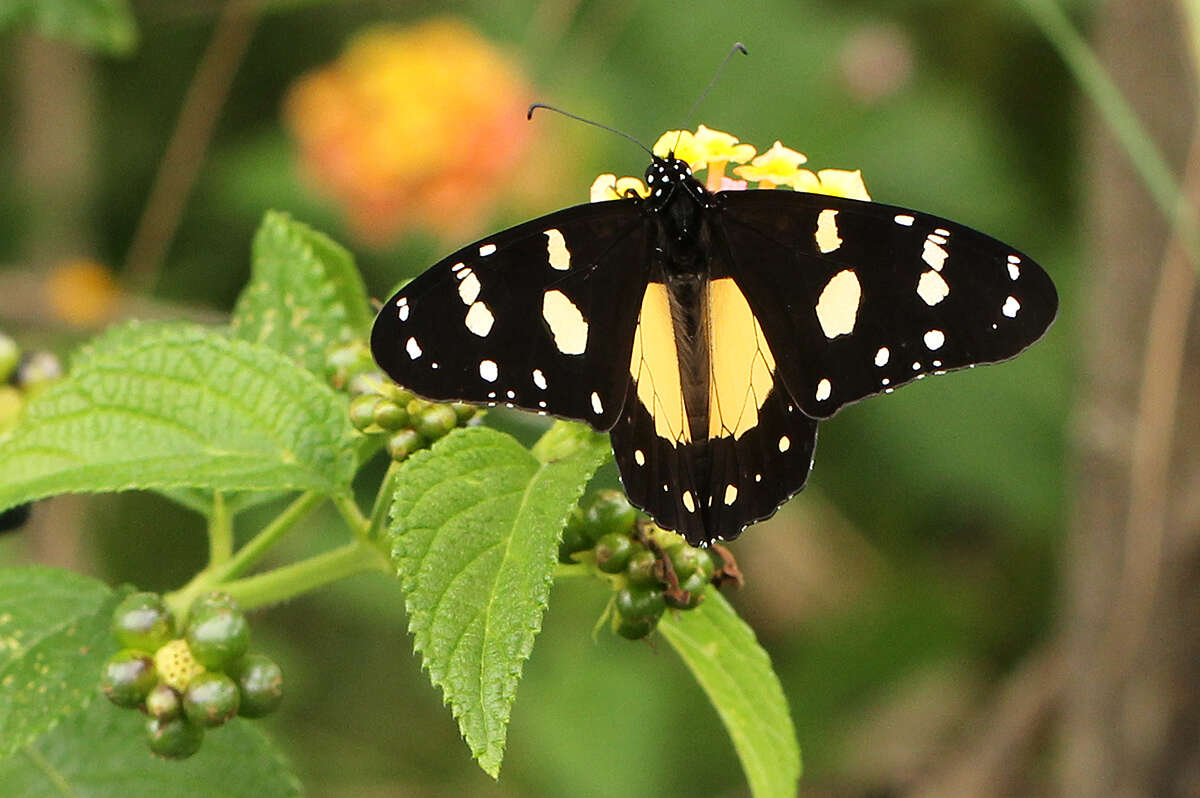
869, 297
538, 316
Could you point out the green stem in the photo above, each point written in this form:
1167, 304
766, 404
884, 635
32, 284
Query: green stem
268, 537
220, 531
1147, 160
352, 515
383, 501
292, 580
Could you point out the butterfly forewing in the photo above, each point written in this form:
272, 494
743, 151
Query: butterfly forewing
865, 297
533, 317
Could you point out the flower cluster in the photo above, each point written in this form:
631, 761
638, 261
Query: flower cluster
411, 126
712, 151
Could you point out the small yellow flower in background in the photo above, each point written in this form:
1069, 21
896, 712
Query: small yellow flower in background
412, 127
609, 187
81, 292
713, 150
778, 166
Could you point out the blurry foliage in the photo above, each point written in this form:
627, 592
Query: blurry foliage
956, 483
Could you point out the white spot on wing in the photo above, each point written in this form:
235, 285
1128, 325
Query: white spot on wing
539, 379
881, 357
824, 389
556, 250
1014, 271
479, 319
934, 339
785, 443
402, 308
597, 406
730, 494
688, 502
468, 289
639, 457
487, 249
567, 325
905, 219
934, 254
932, 288
837, 308
1011, 306
826, 236
489, 370
413, 349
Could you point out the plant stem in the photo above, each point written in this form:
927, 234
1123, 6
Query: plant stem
268, 537
292, 580
220, 531
352, 515
383, 501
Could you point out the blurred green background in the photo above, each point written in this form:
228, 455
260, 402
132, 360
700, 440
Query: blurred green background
922, 563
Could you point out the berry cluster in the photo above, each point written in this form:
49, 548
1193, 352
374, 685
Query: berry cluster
380, 407
650, 569
190, 683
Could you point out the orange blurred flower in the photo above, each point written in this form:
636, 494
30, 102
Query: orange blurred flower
81, 292
412, 127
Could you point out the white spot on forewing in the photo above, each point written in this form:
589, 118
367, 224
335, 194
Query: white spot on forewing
402, 308
688, 502
487, 249
489, 370
479, 319
935, 238
932, 288
881, 357
1011, 306
824, 389
785, 443
468, 289
1014, 271
826, 236
1014, 259
941, 231
597, 405
730, 494
837, 307
413, 349
934, 339
556, 250
566, 322
511, 394
905, 219
456, 267
639, 457
539, 379
934, 254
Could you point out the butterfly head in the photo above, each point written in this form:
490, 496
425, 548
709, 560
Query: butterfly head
663, 175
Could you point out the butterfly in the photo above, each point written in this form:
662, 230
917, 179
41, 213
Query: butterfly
710, 332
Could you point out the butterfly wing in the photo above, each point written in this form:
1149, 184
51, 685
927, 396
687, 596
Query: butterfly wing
860, 298
540, 316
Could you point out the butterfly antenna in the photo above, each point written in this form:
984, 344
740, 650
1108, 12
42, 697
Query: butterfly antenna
738, 47
536, 106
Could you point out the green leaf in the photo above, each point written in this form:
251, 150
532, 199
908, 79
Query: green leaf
105, 25
174, 405
722, 653
54, 638
305, 295
102, 753
475, 528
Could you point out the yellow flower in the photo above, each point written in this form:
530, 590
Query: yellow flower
705, 149
778, 166
683, 144
82, 292
833, 182
412, 127
610, 187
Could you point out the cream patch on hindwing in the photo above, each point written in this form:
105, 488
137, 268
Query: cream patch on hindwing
556, 250
597, 405
932, 288
479, 319
934, 339
539, 379
826, 236
730, 494
488, 370
881, 357
785, 443
837, 307
566, 322
688, 502
413, 349
824, 389
1011, 306
639, 457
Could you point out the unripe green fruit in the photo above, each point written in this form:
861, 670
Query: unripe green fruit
613, 551
637, 628
362, 410
694, 586
642, 568
217, 636
435, 422
390, 416
609, 511
685, 559
142, 621
404, 442
638, 602
163, 703
260, 682
574, 538
211, 699
128, 677
395, 394
464, 411
175, 738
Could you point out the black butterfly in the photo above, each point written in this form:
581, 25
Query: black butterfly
709, 333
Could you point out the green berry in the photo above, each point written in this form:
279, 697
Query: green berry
216, 600
435, 422
163, 703
11, 402
642, 568
175, 738
390, 415
347, 363
416, 407
574, 538
637, 602
362, 410
142, 621
609, 511
708, 564
211, 699
395, 394
128, 677
694, 587
404, 442
217, 636
260, 682
613, 551
10, 356
637, 628
685, 559
464, 411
